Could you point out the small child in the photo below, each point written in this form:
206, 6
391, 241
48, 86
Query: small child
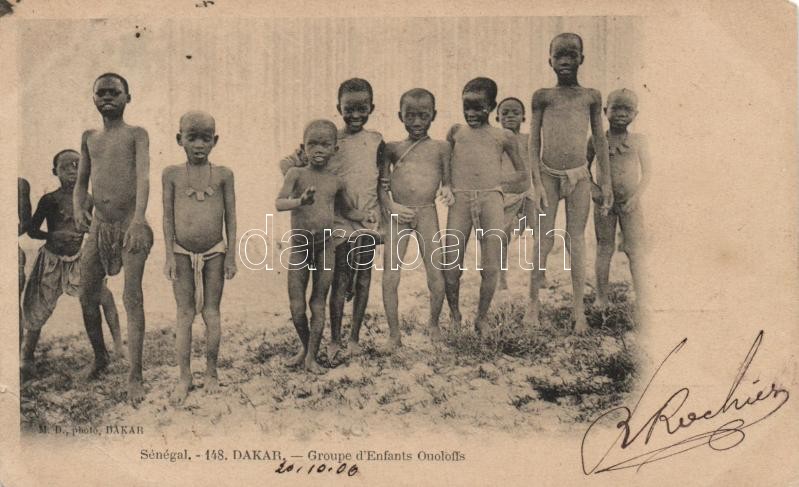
478, 186
312, 193
116, 159
629, 174
357, 162
510, 115
199, 236
560, 120
419, 169
57, 266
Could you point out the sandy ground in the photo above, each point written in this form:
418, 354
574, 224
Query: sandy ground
513, 380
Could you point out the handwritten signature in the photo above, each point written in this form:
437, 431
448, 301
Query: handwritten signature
671, 420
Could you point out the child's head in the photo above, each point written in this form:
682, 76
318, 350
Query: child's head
65, 167
621, 108
320, 142
355, 103
417, 112
479, 100
566, 54
197, 136
111, 94
510, 113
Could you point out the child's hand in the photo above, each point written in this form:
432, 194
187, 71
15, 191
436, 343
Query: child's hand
307, 196
541, 201
230, 266
138, 237
607, 199
630, 205
83, 218
446, 196
66, 237
170, 269
404, 214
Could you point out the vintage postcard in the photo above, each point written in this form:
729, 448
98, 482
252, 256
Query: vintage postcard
458, 243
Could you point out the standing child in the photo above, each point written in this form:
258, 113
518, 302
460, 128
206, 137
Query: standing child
57, 266
116, 159
559, 126
419, 168
357, 160
312, 194
629, 174
510, 115
199, 236
478, 186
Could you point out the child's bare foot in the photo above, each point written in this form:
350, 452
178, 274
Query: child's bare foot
313, 367
580, 324
297, 360
333, 351
435, 334
354, 348
480, 325
601, 302
211, 384
531, 318
394, 343
27, 370
503, 282
96, 370
455, 321
120, 351
135, 392
181, 391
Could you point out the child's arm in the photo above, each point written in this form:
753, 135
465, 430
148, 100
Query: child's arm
136, 237
646, 175
168, 191
42, 210
347, 209
590, 153
534, 149
82, 217
295, 159
403, 213
600, 144
284, 201
230, 224
445, 192
23, 205
520, 182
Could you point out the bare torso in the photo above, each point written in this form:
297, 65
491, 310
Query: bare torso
56, 208
625, 164
477, 157
416, 178
319, 215
199, 225
565, 124
113, 171
523, 141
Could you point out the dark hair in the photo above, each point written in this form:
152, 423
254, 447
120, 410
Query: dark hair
320, 123
114, 75
569, 35
483, 85
417, 93
511, 98
60, 153
355, 85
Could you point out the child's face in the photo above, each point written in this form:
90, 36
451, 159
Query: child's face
511, 115
66, 168
565, 56
319, 145
198, 137
621, 111
417, 113
355, 108
109, 96
476, 108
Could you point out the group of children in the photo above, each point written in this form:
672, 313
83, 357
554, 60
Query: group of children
348, 192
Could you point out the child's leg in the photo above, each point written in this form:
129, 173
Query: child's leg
45, 286
605, 229
298, 283
109, 309
491, 249
363, 280
322, 279
542, 246
459, 228
213, 284
394, 253
342, 273
632, 227
133, 299
91, 282
183, 288
503, 271
577, 205
426, 228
